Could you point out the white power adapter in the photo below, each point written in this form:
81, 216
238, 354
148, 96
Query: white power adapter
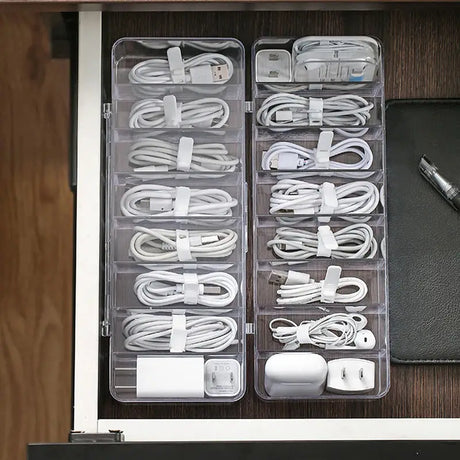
350, 375
222, 377
273, 66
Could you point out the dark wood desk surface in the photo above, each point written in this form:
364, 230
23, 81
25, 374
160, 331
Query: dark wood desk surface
422, 60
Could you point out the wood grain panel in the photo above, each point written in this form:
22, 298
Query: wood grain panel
35, 239
422, 60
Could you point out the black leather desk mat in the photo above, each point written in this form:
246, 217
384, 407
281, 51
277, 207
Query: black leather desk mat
414, 68
424, 232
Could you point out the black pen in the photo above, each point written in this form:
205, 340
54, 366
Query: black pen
448, 190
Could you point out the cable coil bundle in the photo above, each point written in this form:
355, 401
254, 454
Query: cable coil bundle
161, 288
162, 245
157, 155
353, 242
161, 200
201, 334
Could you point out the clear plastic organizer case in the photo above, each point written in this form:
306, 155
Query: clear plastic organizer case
176, 225
176, 220
320, 272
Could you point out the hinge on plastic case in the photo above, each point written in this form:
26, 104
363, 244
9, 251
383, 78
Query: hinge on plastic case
105, 329
249, 328
107, 110
248, 106
82, 437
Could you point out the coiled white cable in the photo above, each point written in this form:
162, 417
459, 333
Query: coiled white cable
306, 157
204, 334
157, 155
354, 242
210, 112
336, 330
299, 197
160, 245
161, 200
161, 288
285, 110
158, 70
293, 293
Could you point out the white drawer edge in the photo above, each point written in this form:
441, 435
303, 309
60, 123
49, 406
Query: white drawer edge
88, 223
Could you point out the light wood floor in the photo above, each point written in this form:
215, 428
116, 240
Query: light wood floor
36, 226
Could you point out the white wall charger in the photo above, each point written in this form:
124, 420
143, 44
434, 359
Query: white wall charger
350, 375
273, 66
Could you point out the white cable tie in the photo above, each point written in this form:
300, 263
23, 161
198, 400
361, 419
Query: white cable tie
323, 149
330, 284
302, 334
191, 289
178, 337
184, 254
172, 111
283, 116
329, 202
184, 154
182, 201
315, 111
176, 65
326, 241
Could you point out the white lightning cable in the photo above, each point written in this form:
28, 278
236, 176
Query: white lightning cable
161, 200
336, 330
161, 288
299, 289
209, 112
157, 155
154, 71
204, 334
285, 110
161, 245
306, 158
354, 242
298, 197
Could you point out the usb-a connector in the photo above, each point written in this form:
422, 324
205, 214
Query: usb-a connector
220, 73
289, 277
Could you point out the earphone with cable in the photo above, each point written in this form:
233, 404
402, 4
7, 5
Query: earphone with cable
339, 331
200, 334
210, 112
286, 110
161, 200
352, 242
149, 154
162, 245
161, 288
306, 158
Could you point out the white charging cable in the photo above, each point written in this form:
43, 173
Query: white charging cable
209, 112
147, 155
298, 197
286, 155
285, 110
162, 245
332, 331
353, 242
160, 288
161, 200
298, 288
202, 334
204, 68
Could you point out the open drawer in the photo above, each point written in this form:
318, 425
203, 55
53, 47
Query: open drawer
95, 411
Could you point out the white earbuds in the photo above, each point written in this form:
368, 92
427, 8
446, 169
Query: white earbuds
364, 340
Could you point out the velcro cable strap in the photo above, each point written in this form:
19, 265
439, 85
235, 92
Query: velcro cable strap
191, 289
323, 149
182, 201
178, 337
176, 65
330, 284
315, 111
184, 154
329, 202
326, 241
184, 253
303, 335
172, 111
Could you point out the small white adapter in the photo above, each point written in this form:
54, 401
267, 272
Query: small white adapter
350, 375
273, 66
222, 377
